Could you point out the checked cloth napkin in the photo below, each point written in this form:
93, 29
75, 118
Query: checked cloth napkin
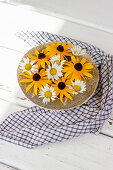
37, 126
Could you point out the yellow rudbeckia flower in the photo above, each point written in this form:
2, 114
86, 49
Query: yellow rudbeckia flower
77, 69
37, 79
41, 58
59, 48
62, 89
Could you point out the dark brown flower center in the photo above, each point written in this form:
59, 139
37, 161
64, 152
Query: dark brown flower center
61, 85
41, 55
36, 77
78, 66
60, 48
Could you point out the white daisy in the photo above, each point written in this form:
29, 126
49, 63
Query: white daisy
47, 93
54, 72
56, 59
78, 51
28, 66
78, 86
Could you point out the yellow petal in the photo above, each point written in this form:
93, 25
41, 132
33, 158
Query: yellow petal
31, 56
51, 53
68, 82
68, 52
73, 59
69, 90
35, 89
57, 92
87, 74
82, 76
77, 60
64, 44
28, 73
61, 97
53, 44
67, 74
43, 64
29, 87
63, 79
58, 43
48, 63
68, 46
43, 73
68, 95
83, 61
27, 76
88, 66
67, 69
69, 64
25, 80
48, 48
73, 76
36, 52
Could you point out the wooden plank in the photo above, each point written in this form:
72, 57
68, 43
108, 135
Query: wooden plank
27, 19
85, 11
9, 88
6, 167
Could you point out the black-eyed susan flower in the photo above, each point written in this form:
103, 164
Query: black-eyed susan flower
37, 79
62, 49
77, 69
62, 89
56, 59
54, 72
28, 66
41, 58
78, 86
77, 50
47, 93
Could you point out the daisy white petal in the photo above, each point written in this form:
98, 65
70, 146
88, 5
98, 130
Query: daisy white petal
78, 86
56, 59
54, 72
29, 66
78, 51
47, 94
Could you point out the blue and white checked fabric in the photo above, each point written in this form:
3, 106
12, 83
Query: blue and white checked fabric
36, 126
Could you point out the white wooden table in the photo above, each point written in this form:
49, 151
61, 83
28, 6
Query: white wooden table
88, 152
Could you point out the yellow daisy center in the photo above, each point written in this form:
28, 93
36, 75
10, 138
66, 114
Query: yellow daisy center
48, 94
28, 66
57, 62
53, 71
77, 88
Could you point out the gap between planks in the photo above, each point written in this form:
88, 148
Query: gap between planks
4, 166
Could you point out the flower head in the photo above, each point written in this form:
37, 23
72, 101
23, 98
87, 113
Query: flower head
62, 89
41, 58
62, 49
78, 51
78, 86
28, 66
77, 69
37, 79
47, 93
56, 59
54, 72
